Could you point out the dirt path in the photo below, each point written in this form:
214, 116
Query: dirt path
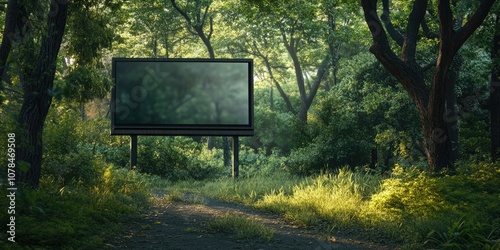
180, 225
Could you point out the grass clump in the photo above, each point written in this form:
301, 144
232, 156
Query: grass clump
244, 190
336, 198
241, 226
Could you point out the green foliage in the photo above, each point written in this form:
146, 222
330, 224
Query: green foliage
74, 151
258, 163
178, 158
336, 198
409, 193
63, 158
278, 130
467, 235
90, 17
337, 144
430, 205
82, 84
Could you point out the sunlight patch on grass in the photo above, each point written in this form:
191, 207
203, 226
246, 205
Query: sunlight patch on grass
337, 199
244, 190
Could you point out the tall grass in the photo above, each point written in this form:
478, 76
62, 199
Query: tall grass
244, 190
336, 198
241, 226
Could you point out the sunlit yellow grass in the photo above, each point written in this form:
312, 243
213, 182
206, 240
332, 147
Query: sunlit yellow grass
336, 198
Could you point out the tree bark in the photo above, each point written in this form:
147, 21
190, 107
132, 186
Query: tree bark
37, 100
494, 100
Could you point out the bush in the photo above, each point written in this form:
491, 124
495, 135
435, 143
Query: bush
177, 158
63, 156
410, 192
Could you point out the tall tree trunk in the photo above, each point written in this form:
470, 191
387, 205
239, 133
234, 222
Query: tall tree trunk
494, 101
37, 100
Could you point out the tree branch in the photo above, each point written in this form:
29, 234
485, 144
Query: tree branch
211, 31
322, 70
410, 41
271, 75
183, 13
385, 17
427, 32
205, 15
411, 79
474, 22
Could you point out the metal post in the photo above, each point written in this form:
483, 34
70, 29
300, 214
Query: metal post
133, 151
236, 160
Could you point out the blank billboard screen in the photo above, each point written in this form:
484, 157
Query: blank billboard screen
182, 96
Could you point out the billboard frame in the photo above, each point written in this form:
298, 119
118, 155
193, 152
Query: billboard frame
184, 129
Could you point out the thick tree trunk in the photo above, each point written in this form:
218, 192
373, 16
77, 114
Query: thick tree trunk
494, 101
37, 100
437, 144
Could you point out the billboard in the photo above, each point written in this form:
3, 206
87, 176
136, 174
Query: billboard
153, 96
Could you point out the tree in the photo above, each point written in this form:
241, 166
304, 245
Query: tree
196, 21
40, 34
36, 79
428, 95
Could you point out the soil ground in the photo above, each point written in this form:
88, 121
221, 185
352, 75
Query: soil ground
181, 225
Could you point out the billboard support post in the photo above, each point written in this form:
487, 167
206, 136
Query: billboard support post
133, 151
236, 160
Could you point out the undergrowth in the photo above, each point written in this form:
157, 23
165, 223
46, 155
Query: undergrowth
76, 215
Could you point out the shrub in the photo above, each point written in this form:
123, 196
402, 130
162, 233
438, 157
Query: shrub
177, 158
410, 192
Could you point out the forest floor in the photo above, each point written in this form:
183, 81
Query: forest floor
181, 225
